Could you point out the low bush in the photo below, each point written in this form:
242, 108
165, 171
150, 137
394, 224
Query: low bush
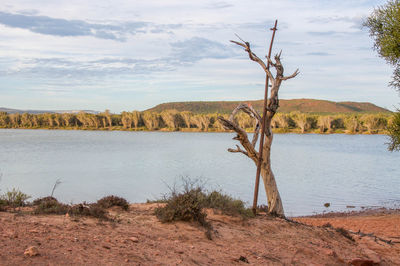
49, 205
14, 198
186, 206
38, 201
262, 208
111, 201
3, 204
227, 205
162, 200
92, 210
189, 205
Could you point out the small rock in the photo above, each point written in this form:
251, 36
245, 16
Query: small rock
329, 252
31, 251
372, 255
244, 259
134, 239
362, 262
67, 215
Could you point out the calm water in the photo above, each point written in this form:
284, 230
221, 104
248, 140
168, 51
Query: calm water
310, 169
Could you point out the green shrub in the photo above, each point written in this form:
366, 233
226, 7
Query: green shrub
227, 205
3, 204
189, 205
162, 200
15, 198
111, 201
185, 206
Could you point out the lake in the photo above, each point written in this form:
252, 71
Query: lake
311, 169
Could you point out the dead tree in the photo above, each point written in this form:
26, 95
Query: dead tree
273, 198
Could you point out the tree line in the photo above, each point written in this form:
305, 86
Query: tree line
172, 120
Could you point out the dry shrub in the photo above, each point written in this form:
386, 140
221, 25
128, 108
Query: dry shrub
189, 205
327, 225
344, 233
3, 205
38, 201
110, 201
91, 210
186, 206
49, 205
262, 208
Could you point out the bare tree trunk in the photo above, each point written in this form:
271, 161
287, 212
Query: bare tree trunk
274, 201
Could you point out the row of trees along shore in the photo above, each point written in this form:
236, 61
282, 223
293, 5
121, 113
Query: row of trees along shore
172, 120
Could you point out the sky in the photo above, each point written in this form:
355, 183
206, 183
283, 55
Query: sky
127, 55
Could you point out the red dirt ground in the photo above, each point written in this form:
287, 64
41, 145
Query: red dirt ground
138, 238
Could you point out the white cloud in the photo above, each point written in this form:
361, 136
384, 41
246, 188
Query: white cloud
174, 50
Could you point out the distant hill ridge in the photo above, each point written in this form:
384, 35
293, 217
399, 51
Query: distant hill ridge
226, 107
286, 106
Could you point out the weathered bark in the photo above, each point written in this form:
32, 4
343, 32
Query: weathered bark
275, 205
274, 201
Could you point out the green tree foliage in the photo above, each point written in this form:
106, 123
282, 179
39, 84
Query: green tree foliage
394, 132
384, 28
352, 124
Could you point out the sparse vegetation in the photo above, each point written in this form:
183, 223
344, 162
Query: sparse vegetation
49, 205
186, 206
92, 210
344, 233
110, 201
314, 117
227, 205
14, 198
190, 203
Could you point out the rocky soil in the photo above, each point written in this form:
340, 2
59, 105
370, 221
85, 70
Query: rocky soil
138, 238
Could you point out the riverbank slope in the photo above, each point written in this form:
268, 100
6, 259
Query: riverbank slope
136, 237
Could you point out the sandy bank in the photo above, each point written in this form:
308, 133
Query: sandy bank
138, 238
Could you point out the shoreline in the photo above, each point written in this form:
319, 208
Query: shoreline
195, 131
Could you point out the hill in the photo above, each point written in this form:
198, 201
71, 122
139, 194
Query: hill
286, 106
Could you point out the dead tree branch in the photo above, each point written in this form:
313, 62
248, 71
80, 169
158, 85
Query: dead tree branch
241, 136
273, 198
